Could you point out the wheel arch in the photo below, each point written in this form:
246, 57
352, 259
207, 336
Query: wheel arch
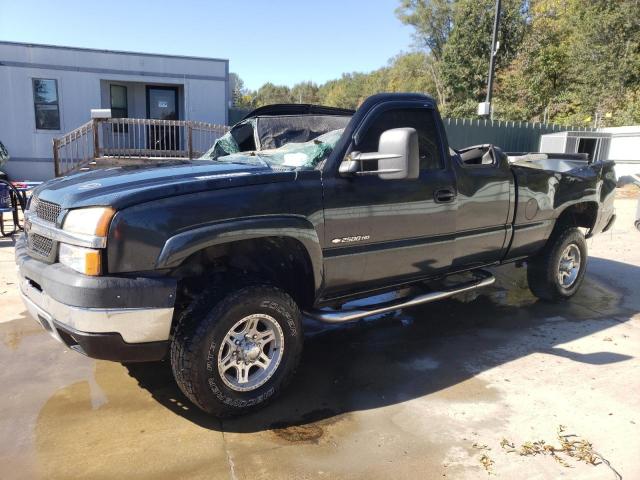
283, 246
580, 214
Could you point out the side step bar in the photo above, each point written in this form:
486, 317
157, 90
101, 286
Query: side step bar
340, 316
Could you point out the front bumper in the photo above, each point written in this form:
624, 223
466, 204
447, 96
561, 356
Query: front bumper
111, 318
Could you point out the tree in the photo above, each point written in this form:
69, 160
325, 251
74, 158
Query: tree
351, 89
465, 57
411, 72
579, 60
529, 87
605, 53
432, 20
305, 92
241, 96
270, 93
408, 72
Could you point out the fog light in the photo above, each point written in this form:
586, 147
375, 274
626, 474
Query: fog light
80, 259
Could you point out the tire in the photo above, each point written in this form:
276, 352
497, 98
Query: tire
205, 367
550, 273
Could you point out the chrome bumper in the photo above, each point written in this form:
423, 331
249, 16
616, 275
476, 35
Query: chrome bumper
135, 325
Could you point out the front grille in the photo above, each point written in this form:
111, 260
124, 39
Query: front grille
39, 245
46, 211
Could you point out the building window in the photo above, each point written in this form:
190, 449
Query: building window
45, 100
119, 106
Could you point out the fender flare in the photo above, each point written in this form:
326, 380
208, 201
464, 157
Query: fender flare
182, 245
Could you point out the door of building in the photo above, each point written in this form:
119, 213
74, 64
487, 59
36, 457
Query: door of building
162, 104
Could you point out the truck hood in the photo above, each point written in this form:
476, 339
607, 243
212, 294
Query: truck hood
121, 187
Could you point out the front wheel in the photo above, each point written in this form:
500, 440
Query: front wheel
237, 354
556, 273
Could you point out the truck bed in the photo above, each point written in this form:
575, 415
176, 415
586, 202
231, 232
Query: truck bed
562, 163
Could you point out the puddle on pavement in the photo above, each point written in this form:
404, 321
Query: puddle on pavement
14, 331
104, 430
512, 290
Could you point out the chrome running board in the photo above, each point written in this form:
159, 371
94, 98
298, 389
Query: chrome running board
340, 316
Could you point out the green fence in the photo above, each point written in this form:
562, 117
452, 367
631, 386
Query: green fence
509, 136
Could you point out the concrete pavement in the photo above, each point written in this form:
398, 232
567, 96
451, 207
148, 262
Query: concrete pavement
430, 392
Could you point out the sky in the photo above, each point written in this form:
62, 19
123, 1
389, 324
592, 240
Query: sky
281, 41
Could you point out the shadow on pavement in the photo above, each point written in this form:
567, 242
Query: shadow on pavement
371, 364
8, 242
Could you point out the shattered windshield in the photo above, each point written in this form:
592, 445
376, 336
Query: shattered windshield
225, 145
293, 155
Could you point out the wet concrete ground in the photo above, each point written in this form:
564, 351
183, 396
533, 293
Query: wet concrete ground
425, 393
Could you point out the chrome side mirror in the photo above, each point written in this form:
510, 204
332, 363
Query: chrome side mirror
397, 156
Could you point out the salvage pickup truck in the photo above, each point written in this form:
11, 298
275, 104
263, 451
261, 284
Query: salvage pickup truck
214, 262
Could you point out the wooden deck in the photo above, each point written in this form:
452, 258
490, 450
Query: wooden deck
102, 143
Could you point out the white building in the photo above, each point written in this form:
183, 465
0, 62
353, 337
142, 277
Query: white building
46, 91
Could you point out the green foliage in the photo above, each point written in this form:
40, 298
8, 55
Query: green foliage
410, 72
240, 95
465, 58
579, 60
563, 61
270, 93
432, 19
305, 92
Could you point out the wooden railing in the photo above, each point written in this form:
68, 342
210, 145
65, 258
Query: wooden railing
119, 140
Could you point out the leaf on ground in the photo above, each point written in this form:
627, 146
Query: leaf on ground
507, 445
570, 446
487, 463
480, 447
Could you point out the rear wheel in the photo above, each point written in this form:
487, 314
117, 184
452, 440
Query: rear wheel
237, 354
556, 273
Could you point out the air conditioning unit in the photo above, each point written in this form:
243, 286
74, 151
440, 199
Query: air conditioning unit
100, 113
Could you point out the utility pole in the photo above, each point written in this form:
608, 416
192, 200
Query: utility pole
486, 108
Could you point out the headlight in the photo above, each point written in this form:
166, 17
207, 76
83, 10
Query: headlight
90, 221
83, 260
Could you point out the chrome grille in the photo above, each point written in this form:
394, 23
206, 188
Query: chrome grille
39, 245
46, 211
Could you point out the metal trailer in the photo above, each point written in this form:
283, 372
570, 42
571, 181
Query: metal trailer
595, 144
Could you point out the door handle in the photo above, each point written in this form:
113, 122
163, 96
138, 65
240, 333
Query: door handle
446, 195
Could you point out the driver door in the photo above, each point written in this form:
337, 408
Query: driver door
382, 232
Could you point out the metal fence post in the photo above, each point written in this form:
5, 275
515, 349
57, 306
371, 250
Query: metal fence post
56, 157
96, 139
190, 140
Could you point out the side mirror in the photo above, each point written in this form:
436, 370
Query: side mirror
397, 156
